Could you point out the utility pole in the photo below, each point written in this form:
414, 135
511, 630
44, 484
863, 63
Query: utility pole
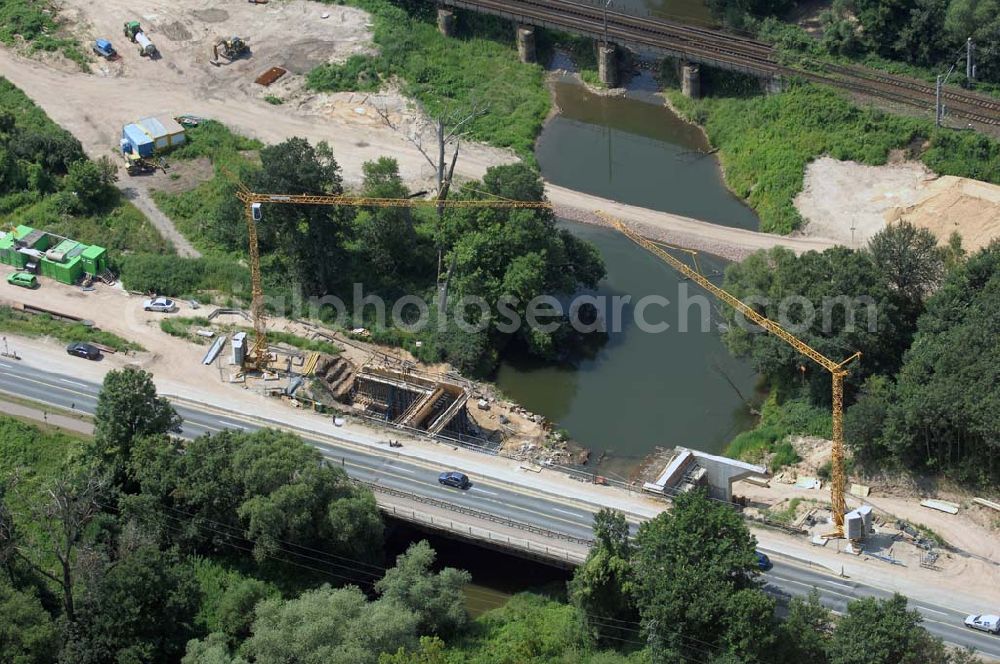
970, 68
938, 111
606, 5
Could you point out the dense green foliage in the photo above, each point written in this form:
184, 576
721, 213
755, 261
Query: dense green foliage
919, 38
765, 143
939, 413
184, 277
921, 395
36, 23
447, 74
310, 252
43, 325
603, 587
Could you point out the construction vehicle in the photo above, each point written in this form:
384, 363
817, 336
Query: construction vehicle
836, 369
230, 49
259, 357
133, 31
104, 49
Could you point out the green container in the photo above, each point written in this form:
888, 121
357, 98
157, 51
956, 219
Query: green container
94, 259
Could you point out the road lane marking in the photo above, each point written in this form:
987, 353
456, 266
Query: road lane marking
73, 382
232, 424
488, 493
402, 470
927, 608
576, 514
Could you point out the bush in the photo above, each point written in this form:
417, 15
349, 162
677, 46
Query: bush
43, 325
183, 277
359, 73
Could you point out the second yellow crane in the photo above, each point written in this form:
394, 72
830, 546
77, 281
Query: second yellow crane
836, 369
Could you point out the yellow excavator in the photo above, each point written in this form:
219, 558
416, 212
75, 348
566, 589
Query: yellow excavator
230, 49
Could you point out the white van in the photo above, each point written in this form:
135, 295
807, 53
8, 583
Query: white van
985, 623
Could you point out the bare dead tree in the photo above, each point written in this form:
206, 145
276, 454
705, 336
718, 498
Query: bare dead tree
70, 504
449, 129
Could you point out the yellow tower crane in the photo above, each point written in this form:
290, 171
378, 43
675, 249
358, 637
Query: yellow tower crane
836, 369
258, 357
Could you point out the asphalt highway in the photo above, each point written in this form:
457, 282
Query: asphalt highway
551, 512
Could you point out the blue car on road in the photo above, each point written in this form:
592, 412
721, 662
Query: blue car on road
455, 479
763, 562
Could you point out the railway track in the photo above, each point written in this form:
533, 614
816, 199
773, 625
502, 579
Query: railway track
741, 53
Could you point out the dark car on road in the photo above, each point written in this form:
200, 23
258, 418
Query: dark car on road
86, 350
763, 562
455, 479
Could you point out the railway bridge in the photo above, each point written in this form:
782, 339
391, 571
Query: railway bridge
694, 46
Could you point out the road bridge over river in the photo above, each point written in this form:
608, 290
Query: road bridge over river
553, 526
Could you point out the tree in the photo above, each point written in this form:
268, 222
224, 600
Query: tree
436, 599
385, 240
836, 301
803, 634
92, 182
515, 255
236, 608
909, 259
943, 415
290, 494
72, 502
140, 611
327, 626
128, 408
603, 587
884, 632
27, 633
309, 239
864, 422
693, 564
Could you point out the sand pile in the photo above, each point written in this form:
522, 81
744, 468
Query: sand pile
949, 204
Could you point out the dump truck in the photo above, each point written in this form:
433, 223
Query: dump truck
230, 49
133, 31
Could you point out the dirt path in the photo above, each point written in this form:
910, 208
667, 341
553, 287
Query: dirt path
725, 241
138, 195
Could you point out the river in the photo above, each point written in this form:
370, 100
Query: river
641, 389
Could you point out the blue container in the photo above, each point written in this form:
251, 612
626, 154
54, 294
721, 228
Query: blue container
138, 142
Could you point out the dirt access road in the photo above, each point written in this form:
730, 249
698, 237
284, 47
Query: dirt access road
183, 81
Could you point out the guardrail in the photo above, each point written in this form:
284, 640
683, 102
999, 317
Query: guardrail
468, 511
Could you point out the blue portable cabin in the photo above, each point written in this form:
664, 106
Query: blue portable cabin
136, 142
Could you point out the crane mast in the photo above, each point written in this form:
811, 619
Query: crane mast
836, 369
